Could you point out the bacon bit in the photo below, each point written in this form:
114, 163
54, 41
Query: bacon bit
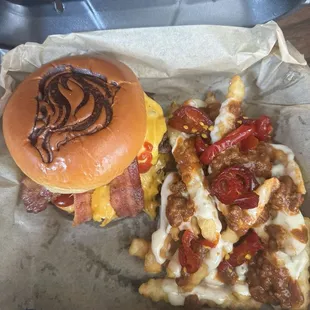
82, 208
126, 193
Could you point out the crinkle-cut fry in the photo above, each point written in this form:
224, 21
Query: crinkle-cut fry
195, 227
196, 103
139, 247
207, 228
230, 110
285, 156
164, 251
264, 191
192, 175
194, 279
174, 232
150, 263
230, 236
247, 218
236, 89
153, 289
210, 98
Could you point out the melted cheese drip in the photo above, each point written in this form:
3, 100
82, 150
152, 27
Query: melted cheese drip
156, 126
101, 206
150, 182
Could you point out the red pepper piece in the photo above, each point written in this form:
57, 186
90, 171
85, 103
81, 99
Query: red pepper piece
263, 127
233, 138
200, 145
250, 143
248, 247
190, 252
232, 183
247, 200
190, 120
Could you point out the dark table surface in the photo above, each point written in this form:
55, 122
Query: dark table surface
296, 28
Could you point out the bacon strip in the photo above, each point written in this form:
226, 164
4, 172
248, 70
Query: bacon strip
126, 193
82, 208
35, 196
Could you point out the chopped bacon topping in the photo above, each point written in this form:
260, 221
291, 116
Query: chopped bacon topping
126, 193
82, 208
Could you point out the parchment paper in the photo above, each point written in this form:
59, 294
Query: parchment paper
46, 263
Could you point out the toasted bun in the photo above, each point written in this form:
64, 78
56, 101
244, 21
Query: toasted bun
88, 149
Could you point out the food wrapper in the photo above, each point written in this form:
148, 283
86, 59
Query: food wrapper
48, 264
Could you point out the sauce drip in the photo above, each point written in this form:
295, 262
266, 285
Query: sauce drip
64, 200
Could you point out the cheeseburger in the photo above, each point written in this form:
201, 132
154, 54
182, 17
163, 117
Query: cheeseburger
87, 138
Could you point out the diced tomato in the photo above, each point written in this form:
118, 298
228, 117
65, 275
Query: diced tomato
232, 183
190, 120
233, 138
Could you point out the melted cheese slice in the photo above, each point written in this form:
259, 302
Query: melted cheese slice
156, 127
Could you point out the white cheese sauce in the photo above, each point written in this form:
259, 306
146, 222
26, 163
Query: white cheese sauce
159, 236
295, 264
290, 168
215, 255
174, 265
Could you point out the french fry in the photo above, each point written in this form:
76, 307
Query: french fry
139, 247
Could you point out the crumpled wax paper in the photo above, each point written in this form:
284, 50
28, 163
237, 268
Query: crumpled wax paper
45, 262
